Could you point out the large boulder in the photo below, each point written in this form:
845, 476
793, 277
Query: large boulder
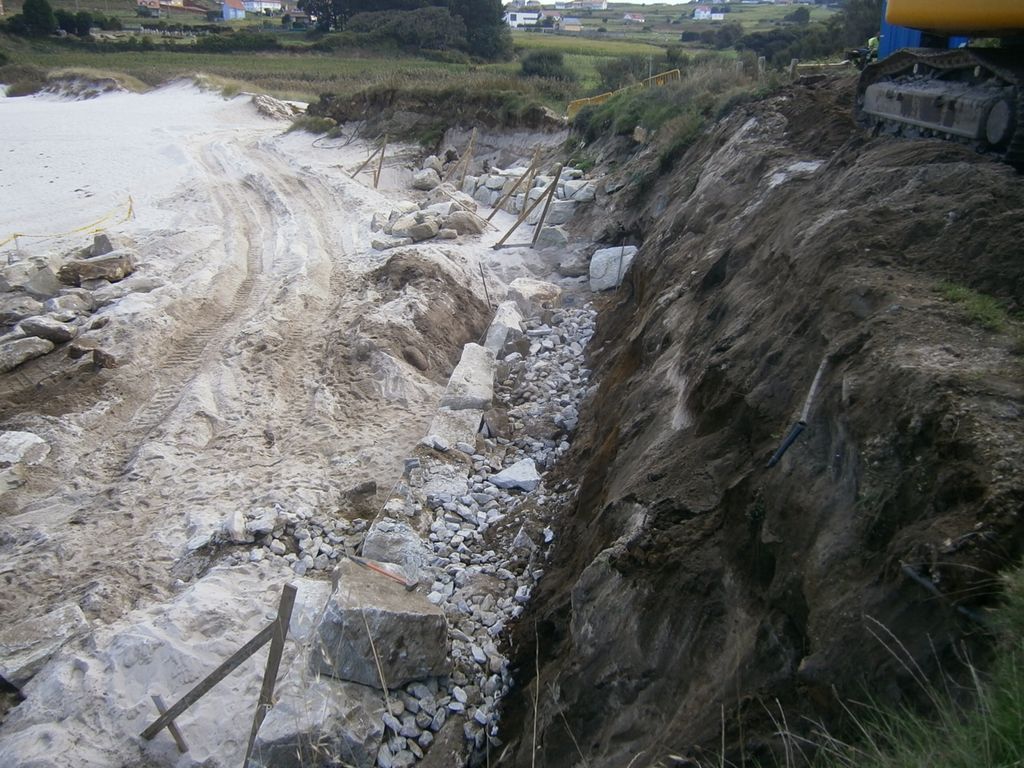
26, 646
112, 266
31, 276
433, 162
104, 243
465, 223
22, 448
17, 306
522, 475
552, 237
609, 265
14, 353
559, 212
471, 384
415, 226
370, 612
426, 179
506, 325
392, 541
318, 721
48, 328
531, 296
454, 427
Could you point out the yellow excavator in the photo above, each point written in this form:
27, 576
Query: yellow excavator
952, 69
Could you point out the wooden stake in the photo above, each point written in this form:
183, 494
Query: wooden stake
547, 204
507, 195
171, 726
484, 281
280, 627
380, 164
523, 216
469, 158
233, 662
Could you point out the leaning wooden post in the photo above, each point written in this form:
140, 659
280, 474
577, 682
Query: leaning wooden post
284, 616
793, 64
171, 726
547, 204
521, 219
762, 63
469, 158
233, 662
380, 163
507, 195
365, 163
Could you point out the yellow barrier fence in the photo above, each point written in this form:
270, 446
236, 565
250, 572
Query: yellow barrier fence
663, 78
93, 227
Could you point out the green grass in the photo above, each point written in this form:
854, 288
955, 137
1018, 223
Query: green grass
984, 310
988, 732
303, 76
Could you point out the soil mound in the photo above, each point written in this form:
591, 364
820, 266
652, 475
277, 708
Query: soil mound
792, 269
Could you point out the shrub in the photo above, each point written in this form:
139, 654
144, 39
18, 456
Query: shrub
548, 64
430, 28
615, 73
38, 17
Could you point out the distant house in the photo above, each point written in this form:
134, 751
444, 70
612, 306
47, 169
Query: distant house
702, 13
718, 17
517, 19
571, 24
590, 5
634, 18
233, 9
261, 6
555, 16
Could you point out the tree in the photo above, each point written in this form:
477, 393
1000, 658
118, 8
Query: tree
286, 20
799, 16
487, 36
546, 64
83, 23
38, 18
65, 20
860, 20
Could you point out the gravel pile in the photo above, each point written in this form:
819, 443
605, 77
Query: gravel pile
491, 525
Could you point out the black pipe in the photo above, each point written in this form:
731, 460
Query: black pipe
794, 433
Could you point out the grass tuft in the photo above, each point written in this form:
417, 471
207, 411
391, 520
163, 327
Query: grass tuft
311, 124
984, 310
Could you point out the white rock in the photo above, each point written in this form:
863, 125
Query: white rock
426, 179
22, 448
609, 265
507, 325
523, 475
472, 382
410, 635
532, 296
25, 646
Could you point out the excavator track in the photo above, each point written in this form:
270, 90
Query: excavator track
973, 96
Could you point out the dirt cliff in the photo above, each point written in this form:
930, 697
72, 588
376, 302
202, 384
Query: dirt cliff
699, 597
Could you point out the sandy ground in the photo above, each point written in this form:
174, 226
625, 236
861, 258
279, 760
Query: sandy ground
231, 393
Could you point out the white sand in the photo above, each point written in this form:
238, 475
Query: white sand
260, 243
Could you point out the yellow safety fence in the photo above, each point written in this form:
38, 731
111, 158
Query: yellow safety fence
93, 227
664, 78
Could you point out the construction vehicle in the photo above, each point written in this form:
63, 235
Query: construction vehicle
952, 69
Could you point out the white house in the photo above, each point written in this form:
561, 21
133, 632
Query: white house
233, 9
634, 18
259, 6
516, 19
702, 13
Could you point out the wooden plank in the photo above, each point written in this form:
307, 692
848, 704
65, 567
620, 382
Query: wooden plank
365, 163
171, 726
210, 680
522, 217
380, 163
507, 195
280, 625
552, 190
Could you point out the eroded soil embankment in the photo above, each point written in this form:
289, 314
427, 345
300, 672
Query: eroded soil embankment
696, 587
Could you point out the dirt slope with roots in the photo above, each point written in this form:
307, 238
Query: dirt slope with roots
700, 596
